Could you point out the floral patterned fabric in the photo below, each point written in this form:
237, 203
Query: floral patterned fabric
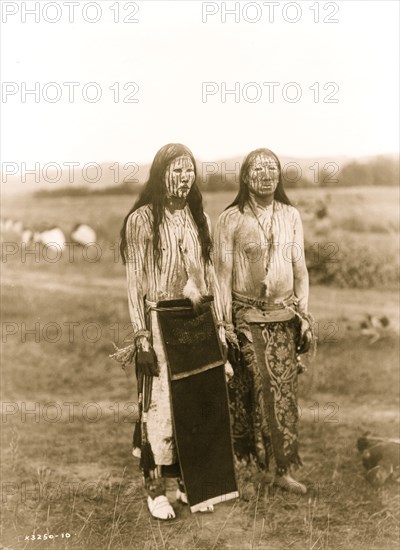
263, 391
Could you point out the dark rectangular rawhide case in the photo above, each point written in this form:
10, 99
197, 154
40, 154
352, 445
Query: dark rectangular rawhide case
199, 402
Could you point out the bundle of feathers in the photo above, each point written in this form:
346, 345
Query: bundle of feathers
195, 287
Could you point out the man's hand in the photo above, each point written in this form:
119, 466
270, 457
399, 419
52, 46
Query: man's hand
305, 338
233, 345
146, 359
228, 371
221, 334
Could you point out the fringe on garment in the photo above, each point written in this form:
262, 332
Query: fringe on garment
125, 356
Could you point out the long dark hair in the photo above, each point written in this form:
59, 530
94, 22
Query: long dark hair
155, 194
243, 195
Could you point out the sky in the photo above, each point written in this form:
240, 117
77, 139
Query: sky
336, 83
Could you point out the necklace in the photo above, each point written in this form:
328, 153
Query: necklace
268, 235
180, 231
195, 286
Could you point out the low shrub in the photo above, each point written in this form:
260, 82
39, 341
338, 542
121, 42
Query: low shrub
350, 262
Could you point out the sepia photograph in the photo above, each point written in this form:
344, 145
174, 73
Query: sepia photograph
200, 315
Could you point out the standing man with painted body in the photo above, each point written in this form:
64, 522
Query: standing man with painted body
185, 431
260, 265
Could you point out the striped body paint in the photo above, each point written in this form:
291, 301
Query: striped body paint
167, 281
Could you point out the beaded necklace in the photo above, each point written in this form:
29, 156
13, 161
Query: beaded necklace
268, 235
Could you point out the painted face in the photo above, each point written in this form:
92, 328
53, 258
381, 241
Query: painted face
179, 177
263, 175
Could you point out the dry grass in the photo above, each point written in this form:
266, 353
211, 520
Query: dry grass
76, 475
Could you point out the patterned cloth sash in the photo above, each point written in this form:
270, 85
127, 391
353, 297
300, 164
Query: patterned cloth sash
263, 311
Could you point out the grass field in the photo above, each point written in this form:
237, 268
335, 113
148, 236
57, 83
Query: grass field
66, 466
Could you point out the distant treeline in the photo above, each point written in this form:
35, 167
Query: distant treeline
125, 188
378, 171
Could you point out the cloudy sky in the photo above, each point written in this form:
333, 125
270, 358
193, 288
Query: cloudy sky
163, 73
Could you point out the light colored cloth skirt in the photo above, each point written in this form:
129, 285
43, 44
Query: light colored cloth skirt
159, 417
